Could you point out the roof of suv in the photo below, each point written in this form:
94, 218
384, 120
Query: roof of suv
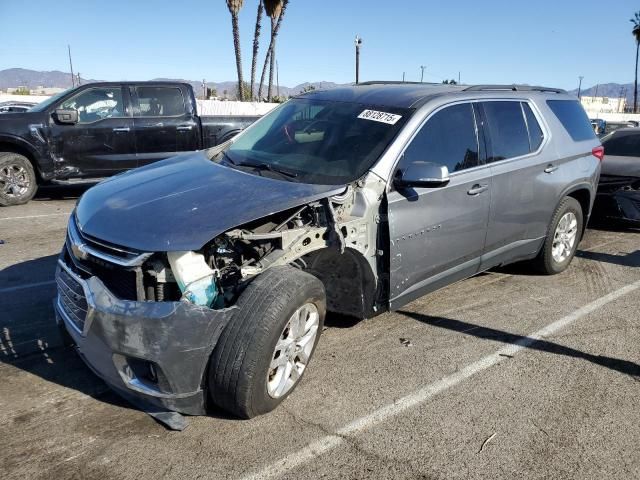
410, 95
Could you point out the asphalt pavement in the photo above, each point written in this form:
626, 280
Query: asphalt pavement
505, 375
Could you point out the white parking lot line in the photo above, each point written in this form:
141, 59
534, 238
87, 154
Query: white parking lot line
36, 216
329, 442
28, 285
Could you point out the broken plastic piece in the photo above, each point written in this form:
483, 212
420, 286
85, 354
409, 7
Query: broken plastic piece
197, 281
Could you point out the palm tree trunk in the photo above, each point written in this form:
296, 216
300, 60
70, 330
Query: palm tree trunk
273, 62
635, 85
256, 45
236, 44
267, 58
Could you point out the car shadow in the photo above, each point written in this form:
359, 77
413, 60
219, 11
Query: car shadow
629, 260
61, 192
31, 341
29, 337
485, 333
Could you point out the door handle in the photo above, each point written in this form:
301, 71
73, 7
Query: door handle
550, 168
121, 129
477, 189
184, 127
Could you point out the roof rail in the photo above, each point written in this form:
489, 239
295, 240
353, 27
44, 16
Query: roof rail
514, 88
393, 82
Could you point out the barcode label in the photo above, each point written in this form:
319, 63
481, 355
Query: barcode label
382, 117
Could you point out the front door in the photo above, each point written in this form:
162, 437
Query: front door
101, 143
163, 123
437, 235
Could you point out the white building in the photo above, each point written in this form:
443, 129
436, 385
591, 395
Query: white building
604, 104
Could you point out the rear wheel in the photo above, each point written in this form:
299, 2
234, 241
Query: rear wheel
264, 351
18, 183
562, 239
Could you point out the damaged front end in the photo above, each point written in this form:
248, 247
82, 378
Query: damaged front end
618, 199
147, 322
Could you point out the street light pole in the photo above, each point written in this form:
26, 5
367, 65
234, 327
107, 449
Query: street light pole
358, 42
73, 80
580, 86
422, 67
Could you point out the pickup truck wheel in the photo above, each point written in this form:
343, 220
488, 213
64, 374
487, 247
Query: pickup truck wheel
18, 183
266, 347
562, 239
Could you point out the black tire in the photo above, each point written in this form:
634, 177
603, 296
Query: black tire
14, 162
544, 262
240, 362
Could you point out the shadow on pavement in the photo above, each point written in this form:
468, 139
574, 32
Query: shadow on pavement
629, 260
485, 333
60, 192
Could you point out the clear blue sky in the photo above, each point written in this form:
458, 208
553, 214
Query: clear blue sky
548, 42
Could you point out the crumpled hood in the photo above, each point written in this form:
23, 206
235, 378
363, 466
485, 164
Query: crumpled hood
184, 202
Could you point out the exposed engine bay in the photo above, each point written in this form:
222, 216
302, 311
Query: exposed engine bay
309, 237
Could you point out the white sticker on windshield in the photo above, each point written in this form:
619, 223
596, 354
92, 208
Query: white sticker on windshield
383, 117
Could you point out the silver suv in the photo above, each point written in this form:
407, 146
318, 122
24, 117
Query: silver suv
208, 276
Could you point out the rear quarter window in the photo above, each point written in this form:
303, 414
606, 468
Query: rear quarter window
573, 119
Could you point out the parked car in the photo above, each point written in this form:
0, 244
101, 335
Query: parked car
611, 127
15, 107
599, 126
618, 195
208, 278
97, 130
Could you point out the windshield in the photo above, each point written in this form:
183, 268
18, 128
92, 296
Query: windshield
42, 106
314, 141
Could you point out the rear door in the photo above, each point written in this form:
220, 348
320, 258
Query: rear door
526, 178
102, 141
437, 235
163, 122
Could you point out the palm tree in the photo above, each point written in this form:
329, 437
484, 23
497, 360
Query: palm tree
256, 45
275, 9
234, 7
636, 33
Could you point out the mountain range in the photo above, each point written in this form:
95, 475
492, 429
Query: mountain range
18, 77
15, 77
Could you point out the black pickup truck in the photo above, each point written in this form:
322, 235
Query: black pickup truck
100, 129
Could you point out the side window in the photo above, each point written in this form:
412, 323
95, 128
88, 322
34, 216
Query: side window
448, 138
96, 104
535, 132
623, 145
159, 102
507, 130
573, 119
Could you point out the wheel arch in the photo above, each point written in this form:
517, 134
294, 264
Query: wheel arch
9, 145
348, 279
583, 195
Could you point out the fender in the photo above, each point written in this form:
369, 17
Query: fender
42, 165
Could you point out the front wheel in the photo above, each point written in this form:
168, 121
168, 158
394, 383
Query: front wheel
563, 238
264, 351
18, 183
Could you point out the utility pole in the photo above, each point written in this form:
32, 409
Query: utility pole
73, 83
403, 77
204, 89
78, 76
580, 86
596, 95
358, 42
422, 67
458, 78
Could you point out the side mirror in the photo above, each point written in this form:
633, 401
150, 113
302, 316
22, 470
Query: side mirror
69, 117
422, 174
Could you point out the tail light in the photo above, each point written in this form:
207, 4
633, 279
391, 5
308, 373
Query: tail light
598, 152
